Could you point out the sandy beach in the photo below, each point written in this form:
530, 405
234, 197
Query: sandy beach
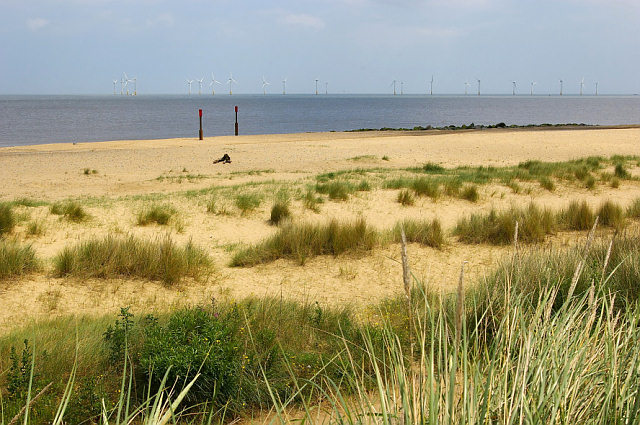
123, 176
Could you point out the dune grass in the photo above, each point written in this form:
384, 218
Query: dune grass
248, 202
406, 198
311, 201
576, 216
633, 210
547, 183
611, 214
301, 241
70, 210
424, 232
279, 211
130, 257
470, 193
426, 187
155, 213
16, 259
336, 190
7, 218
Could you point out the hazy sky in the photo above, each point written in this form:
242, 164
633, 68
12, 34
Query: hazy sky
357, 46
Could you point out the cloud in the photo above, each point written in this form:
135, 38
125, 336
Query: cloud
303, 20
34, 24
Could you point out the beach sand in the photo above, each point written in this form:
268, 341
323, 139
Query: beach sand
129, 173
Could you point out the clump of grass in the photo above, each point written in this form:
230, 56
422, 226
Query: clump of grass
112, 257
547, 183
27, 202
35, 228
405, 197
452, 187
611, 214
279, 212
363, 186
577, 216
156, 213
581, 173
385, 158
514, 186
16, 259
70, 210
7, 218
247, 202
337, 190
433, 168
590, 182
424, 232
470, 193
311, 201
426, 187
633, 210
615, 183
397, 183
301, 241
498, 228
88, 171
621, 172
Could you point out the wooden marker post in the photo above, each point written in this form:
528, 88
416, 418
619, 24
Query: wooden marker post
236, 120
200, 113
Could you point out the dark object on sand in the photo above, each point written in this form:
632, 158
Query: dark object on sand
226, 159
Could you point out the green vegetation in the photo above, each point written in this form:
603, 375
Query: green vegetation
577, 216
432, 168
633, 211
35, 228
424, 232
112, 257
611, 215
88, 171
621, 172
247, 202
590, 182
155, 213
385, 158
337, 190
470, 193
406, 198
279, 212
7, 218
16, 259
426, 187
301, 241
70, 210
311, 201
217, 208
547, 183
27, 202
363, 186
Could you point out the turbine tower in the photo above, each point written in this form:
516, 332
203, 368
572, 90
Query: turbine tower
513, 91
231, 81
114, 86
189, 82
581, 85
478, 87
135, 86
533, 83
126, 81
213, 83
466, 87
284, 86
200, 86
596, 88
393, 83
264, 86
326, 87
401, 88
317, 86
431, 90
561, 82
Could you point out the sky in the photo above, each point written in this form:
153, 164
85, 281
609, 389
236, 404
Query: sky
352, 46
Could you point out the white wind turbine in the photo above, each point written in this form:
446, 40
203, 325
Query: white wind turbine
265, 83
533, 83
596, 88
326, 87
317, 86
189, 82
126, 81
581, 85
133, 80
401, 88
393, 83
200, 85
513, 90
561, 83
213, 83
284, 86
431, 90
231, 81
114, 86
478, 86
466, 87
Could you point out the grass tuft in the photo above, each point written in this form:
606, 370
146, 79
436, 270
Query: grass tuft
16, 259
433, 168
156, 213
311, 201
633, 210
337, 190
112, 257
621, 172
363, 186
470, 193
547, 183
612, 215
247, 202
577, 216
70, 210
424, 232
426, 187
405, 197
279, 212
7, 218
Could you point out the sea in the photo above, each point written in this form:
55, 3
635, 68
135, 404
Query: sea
28, 120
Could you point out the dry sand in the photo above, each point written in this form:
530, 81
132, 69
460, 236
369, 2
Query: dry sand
129, 168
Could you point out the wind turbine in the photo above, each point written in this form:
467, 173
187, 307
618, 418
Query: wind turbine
581, 85
123, 83
393, 83
189, 82
200, 85
317, 86
401, 88
561, 82
596, 88
466, 86
513, 91
213, 83
431, 90
231, 81
533, 83
114, 86
126, 81
133, 80
326, 87
264, 85
284, 86
478, 87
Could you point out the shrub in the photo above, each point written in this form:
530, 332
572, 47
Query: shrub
547, 183
620, 171
385, 158
498, 228
16, 259
432, 168
337, 190
577, 216
248, 202
426, 187
156, 213
112, 257
70, 210
300, 241
405, 198
194, 341
470, 193
7, 219
611, 215
424, 232
279, 212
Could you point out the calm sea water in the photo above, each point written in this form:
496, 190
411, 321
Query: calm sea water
28, 120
